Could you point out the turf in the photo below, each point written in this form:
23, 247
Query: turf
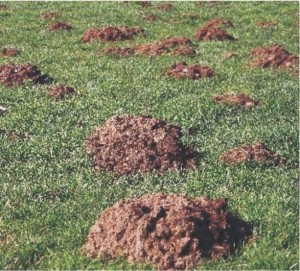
50, 194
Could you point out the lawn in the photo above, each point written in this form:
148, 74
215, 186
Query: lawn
50, 194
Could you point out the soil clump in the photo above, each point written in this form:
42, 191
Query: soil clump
59, 26
60, 91
8, 51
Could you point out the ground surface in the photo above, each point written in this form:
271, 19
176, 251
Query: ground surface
50, 194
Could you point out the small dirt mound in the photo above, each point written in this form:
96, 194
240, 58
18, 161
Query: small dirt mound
179, 45
212, 33
274, 56
9, 52
132, 144
11, 74
265, 24
110, 33
60, 91
217, 23
49, 15
150, 18
59, 26
165, 7
182, 70
242, 100
169, 231
258, 153
118, 51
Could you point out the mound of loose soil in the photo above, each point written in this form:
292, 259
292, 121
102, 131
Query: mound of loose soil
9, 52
169, 231
165, 7
236, 99
274, 56
258, 153
132, 144
264, 24
111, 33
182, 70
49, 15
11, 74
212, 33
181, 45
59, 26
150, 18
60, 91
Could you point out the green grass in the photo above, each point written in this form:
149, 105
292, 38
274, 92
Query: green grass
49, 193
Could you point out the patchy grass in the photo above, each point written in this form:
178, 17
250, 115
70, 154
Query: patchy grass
50, 195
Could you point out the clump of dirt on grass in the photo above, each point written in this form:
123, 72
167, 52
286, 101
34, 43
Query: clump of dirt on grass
274, 56
182, 70
60, 91
109, 34
132, 144
59, 26
265, 24
211, 30
150, 18
49, 15
8, 51
11, 74
241, 100
165, 7
169, 231
258, 153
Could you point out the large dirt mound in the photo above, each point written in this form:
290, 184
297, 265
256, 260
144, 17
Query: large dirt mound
111, 33
11, 74
182, 70
8, 51
131, 144
258, 153
59, 26
236, 99
169, 231
174, 46
273, 56
60, 91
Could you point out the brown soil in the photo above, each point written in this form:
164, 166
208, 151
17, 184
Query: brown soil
258, 153
49, 15
111, 33
60, 91
150, 18
11, 74
274, 56
266, 24
9, 52
236, 99
165, 7
182, 70
228, 55
59, 26
169, 231
132, 144
212, 33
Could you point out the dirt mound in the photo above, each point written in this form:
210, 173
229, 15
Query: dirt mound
236, 99
182, 70
150, 18
60, 91
132, 144
11, 74
49, 15
59, 26
218, 23
169, 231
165, 7
274, 56
212, 33
258, 153
180, 45
111, 33
264, 24
9, 52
